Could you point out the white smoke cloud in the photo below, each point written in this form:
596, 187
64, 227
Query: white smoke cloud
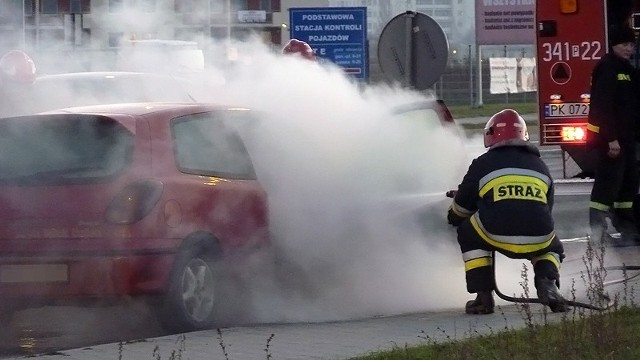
356, 196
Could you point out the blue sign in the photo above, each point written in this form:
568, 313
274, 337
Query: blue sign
338, 34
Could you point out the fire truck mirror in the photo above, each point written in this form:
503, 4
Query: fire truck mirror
547, 28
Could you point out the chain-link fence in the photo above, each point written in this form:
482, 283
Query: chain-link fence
458, 85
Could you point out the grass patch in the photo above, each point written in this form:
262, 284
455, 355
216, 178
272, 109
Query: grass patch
608, 335
579, 334
464, 111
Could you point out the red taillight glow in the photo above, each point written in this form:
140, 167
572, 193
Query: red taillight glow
573, 133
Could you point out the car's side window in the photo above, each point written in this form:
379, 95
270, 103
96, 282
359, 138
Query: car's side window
207, 144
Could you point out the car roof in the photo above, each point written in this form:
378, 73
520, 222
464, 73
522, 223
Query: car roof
100, 74
143, 108
125, 113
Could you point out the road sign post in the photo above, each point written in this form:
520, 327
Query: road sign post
413, 50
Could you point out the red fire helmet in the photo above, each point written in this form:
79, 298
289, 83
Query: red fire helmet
17, 66
505, 125
295, 46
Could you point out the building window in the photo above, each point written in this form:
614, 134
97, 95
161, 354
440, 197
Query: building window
239, 5
76, 6
49, 7
29, 8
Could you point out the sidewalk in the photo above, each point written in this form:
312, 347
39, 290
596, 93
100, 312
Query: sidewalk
306, 341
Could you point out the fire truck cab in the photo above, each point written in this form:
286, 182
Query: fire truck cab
571, 37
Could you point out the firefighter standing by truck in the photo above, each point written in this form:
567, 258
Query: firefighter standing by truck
613, 120
504, 204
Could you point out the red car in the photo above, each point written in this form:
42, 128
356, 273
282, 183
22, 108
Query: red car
111, 201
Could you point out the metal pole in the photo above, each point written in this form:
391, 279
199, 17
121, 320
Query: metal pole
470, 79
409, 21
37, 15
506, 95
228, 22
479, 57
24, 27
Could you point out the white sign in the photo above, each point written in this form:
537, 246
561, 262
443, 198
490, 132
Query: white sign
502, 22
504, 75
511, 75
252, 16
527, 75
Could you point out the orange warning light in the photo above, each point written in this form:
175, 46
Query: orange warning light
573, 133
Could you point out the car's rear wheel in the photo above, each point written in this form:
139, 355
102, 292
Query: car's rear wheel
191, 301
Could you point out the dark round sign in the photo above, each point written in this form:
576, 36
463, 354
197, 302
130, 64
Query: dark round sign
413, 49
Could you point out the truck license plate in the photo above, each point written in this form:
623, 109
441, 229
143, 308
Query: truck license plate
566, 110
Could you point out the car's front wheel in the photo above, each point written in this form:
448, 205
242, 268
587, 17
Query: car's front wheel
191, 301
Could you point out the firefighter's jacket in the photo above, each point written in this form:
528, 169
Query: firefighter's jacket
507, 193
613, 113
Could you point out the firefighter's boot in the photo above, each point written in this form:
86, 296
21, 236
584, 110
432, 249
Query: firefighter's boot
598, 225
625, 225
549, 295
483, 304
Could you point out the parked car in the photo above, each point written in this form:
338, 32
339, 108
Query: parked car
122, 200
424, 128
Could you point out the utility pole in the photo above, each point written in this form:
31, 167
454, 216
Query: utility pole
470, 78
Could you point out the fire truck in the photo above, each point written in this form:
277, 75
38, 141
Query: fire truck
571, 37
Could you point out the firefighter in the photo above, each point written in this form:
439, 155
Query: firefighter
17, 74
613, 119
299, 48
504, 204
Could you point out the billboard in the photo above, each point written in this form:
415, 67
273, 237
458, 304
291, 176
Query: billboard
505, 22
338, 34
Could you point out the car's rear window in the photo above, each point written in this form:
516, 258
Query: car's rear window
210, 144
61, 149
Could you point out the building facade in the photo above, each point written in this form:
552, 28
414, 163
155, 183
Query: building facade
100, 24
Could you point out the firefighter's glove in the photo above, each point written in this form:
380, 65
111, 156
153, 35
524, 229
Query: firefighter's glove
453, 219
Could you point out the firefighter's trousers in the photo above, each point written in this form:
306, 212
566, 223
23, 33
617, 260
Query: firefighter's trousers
478, 262
615, 187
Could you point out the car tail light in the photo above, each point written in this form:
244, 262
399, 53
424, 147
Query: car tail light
445, 111
134, 202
